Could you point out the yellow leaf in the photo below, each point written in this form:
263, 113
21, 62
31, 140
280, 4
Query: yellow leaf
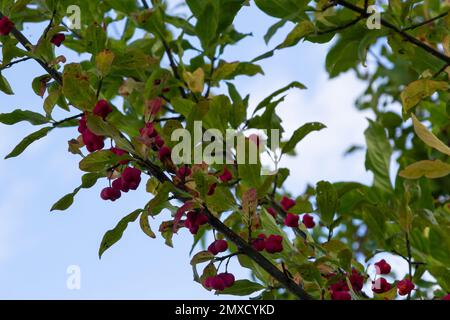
195, 80
300, 31
429, 168
428, 137
104, 61
420, 89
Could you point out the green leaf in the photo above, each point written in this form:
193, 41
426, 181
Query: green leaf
273, 30
145, 225
431, 169
23, 115
301, 133
300, 31
88, 180
428, 137
208, 23
327, 201
98, 161
114, 235
77, 87
378, 155
28, 140
242, 288
268, 100
201, 257
4, 86
420, 89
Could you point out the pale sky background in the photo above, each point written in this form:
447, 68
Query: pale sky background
37, 246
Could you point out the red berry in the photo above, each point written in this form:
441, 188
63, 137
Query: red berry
110, 194
221, 245
212, 189
164, 152
102, 109
341, 285
228, 279
272, 212
405, 287
201, 219
357, 280
274, 244
382, 267
92, 141
447, 297
259, 243
131, 177
308, 221
212, 249
208, 282
287, 203
217, 283
183, 172
118, 184
381, 285
291, 220
159, 142
226, 175
340, 295
120, 152
82, 124
6, 26
58, 39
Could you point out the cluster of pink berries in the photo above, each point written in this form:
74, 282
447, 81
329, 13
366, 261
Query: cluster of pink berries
92, 141
381, 285
129, 180
220, 281
340, 289
291, 219
272, 244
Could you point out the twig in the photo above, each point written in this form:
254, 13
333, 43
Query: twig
339, 28
408, 250
167, 119
211, 72
55, 124
9, 65
426, 21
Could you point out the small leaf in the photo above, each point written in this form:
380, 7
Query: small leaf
201, 257
4, 86
103, 62
27, 141
242, 288
327, 201
300, 31
114, 235
23, 115
429, 168
145, 225
300, 133
195, 80
420, 89
267, 100
98, 161
428, 137
64, 203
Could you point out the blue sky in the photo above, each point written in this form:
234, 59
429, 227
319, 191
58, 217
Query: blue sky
37, 246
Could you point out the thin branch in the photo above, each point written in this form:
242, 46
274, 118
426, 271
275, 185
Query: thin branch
173, 65
441, 70
9, 65
55, 124
211, 72
167, 119
408, 250
145, 4
438, 54
426, 21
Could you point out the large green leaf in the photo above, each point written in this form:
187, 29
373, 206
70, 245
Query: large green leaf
301, 133
115, 234
242, 288
378, 155
27, 141
327, 201
23, 115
